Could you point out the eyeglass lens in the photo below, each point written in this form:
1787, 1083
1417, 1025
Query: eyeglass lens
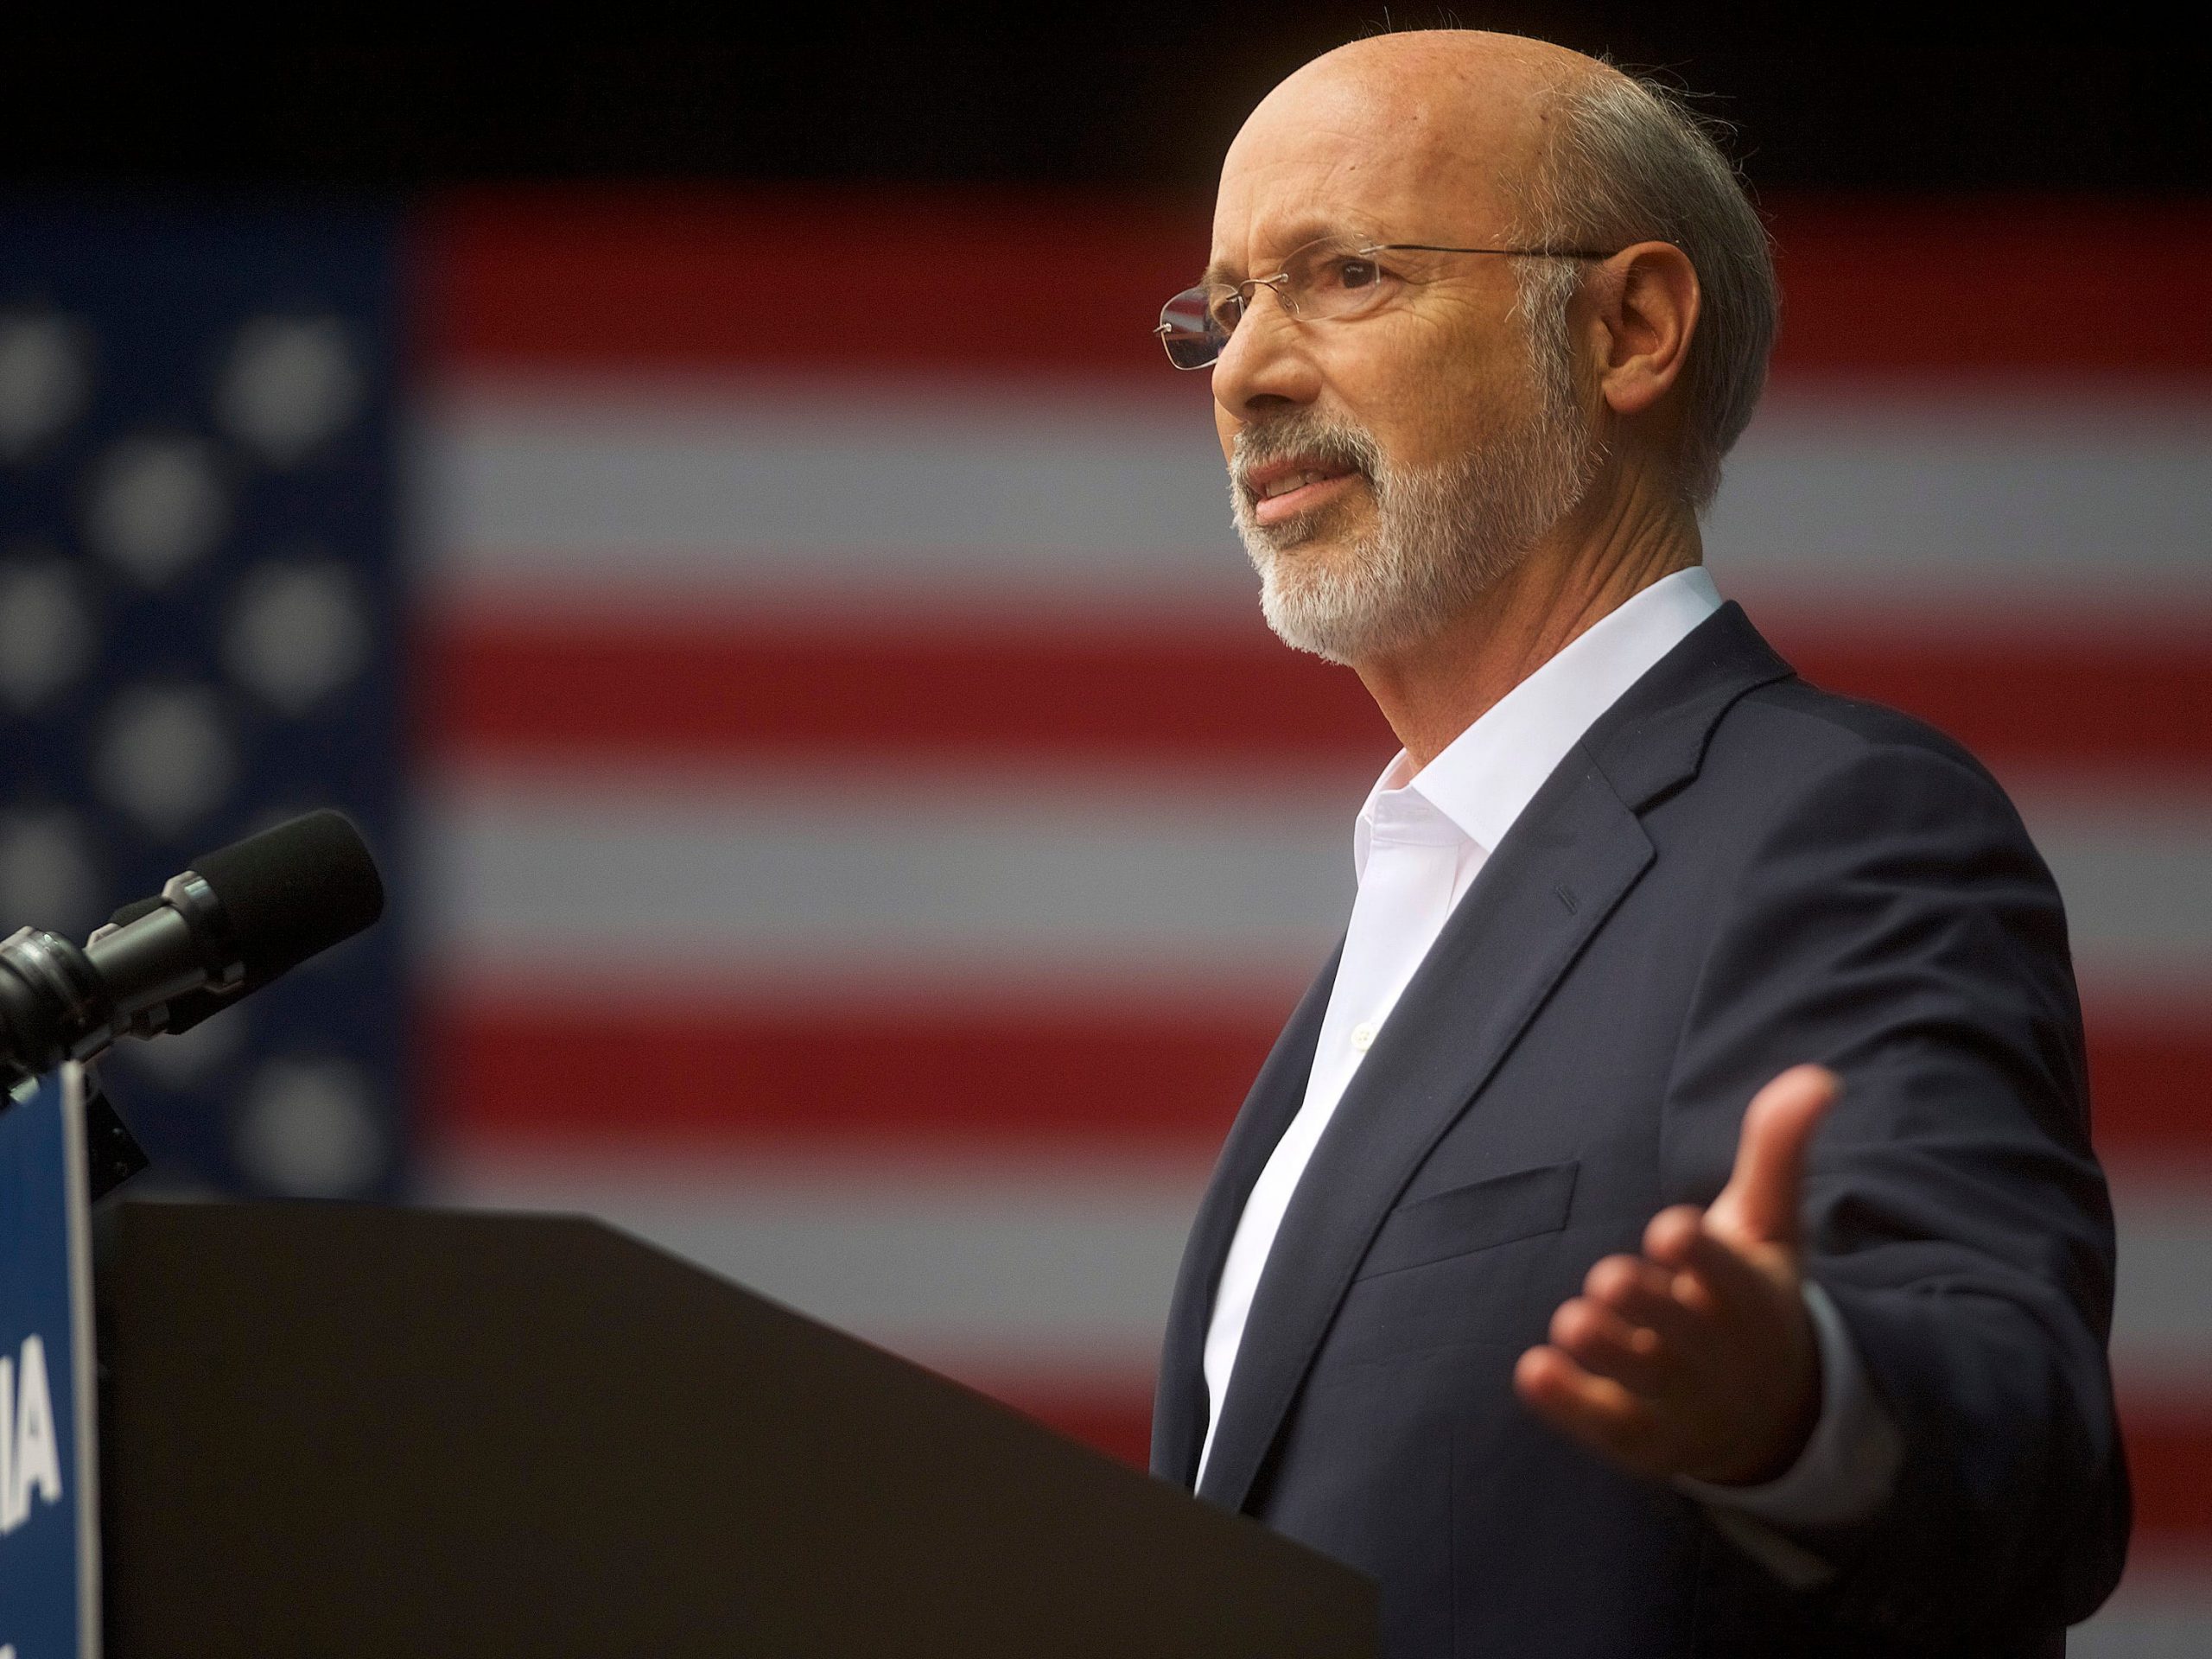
1188, 330
1327, 278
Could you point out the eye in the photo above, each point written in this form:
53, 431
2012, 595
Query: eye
1224, 305
1345, 284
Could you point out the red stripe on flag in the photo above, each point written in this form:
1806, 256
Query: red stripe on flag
721, 689
2170, 1464
1117, 1421
1131, 1078
1128, 1079
2147, 1083
2169, 1450
2085, 286
676, 692
2062, 695
687, 280
699, 279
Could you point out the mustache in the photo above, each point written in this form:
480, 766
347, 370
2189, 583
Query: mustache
1303, 436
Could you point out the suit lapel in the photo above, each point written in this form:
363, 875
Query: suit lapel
1536, 903
1559, 874
1179, 1412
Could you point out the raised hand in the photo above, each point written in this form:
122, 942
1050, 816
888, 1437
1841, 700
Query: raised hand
1698, 1357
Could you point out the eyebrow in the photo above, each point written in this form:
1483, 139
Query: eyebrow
1301, 232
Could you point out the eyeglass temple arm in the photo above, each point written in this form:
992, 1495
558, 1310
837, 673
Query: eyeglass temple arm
1515, 253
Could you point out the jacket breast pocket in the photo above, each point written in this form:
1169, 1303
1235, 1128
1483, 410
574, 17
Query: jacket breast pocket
1476, 1216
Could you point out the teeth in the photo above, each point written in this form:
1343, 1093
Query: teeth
1290, 481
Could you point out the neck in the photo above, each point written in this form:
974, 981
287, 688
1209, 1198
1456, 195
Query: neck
1591, 563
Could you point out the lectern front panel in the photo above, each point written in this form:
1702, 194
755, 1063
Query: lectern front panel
338, 1430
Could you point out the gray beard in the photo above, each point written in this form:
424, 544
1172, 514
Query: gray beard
1441, 537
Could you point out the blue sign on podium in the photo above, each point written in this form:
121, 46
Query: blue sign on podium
49, 1512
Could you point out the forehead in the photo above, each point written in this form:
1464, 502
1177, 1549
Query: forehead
1340, 156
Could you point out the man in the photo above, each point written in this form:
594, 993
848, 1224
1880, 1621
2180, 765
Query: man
1525, 1282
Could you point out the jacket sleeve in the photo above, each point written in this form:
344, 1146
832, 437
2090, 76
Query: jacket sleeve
1892, 920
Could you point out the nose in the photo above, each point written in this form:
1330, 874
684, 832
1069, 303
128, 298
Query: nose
1266, 363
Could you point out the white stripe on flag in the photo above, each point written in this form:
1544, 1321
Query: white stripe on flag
780, 877
2162, 1324
867, 873
1890, 497
2159, 1613
995, 1267
1987, 499
2136, 873
1087, 494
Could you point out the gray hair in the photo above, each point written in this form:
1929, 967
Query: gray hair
1626, 160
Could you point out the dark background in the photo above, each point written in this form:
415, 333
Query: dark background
1136, 99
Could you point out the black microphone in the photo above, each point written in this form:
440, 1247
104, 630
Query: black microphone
238, 919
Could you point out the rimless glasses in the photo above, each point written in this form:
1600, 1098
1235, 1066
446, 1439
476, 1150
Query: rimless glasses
1331, 277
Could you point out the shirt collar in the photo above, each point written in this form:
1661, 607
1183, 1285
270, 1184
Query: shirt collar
1491, 771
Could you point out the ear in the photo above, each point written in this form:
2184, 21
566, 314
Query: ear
1646, 307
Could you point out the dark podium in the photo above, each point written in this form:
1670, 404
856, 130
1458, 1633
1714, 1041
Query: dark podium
348, 1430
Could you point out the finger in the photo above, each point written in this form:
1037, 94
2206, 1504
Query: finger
1596, 1411
1761, 1198
1643, 1293
1605, 1345
1711, 1275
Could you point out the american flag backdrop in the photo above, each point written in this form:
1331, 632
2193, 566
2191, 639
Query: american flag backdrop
864, 838
201, 604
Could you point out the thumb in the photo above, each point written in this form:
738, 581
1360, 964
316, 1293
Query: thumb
1760, 1202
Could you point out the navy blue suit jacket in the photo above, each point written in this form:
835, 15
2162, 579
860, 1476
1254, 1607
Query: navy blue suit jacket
1732, 872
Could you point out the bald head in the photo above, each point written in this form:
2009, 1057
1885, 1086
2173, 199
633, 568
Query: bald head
1427, 136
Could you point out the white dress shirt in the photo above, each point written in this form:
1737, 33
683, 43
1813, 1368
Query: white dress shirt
1420, 839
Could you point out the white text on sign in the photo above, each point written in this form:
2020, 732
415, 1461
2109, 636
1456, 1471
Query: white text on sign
30, 1456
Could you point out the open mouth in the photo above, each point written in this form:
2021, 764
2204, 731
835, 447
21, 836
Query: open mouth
1283, 489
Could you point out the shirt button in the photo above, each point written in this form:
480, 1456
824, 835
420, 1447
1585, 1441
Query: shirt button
1363, 1036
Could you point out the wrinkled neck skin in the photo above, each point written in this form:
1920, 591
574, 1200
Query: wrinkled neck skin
1630, 531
